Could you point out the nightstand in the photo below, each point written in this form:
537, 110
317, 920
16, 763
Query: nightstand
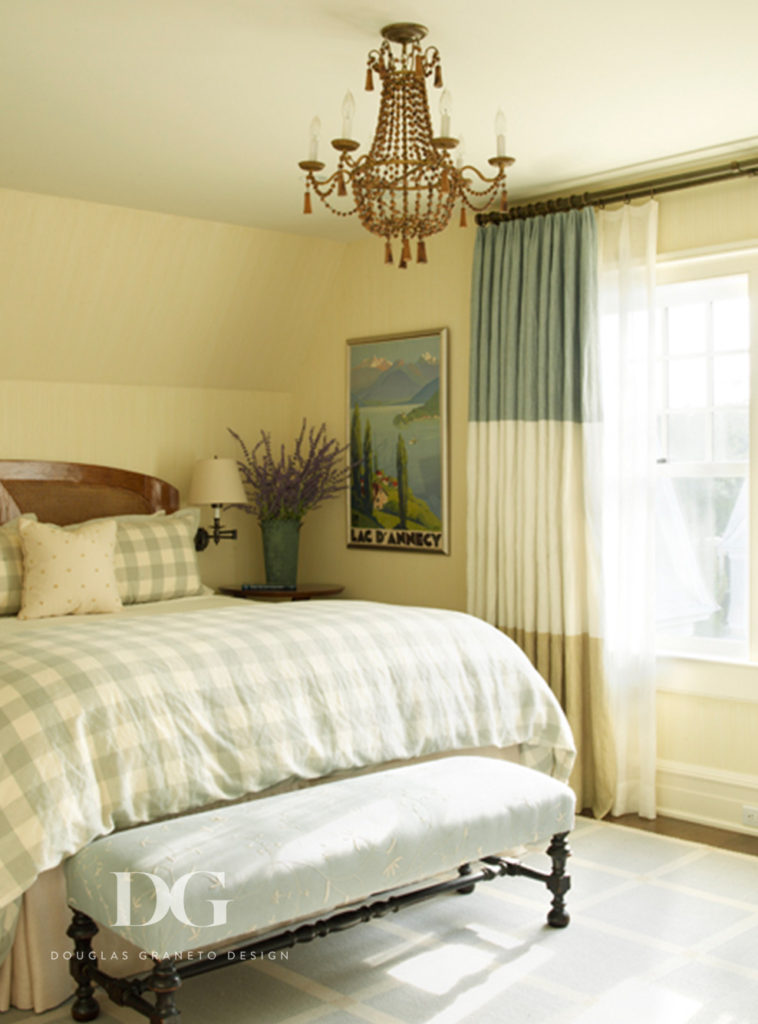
302, 592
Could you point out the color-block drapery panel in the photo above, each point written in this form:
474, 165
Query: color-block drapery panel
533, 421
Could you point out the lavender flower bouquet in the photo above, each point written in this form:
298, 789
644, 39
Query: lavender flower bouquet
289, 485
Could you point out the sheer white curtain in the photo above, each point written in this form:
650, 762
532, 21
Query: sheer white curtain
626, 477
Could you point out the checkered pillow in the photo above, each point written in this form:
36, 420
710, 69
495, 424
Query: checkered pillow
11, 566
156, 558
11, 569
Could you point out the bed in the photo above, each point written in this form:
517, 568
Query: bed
177, 699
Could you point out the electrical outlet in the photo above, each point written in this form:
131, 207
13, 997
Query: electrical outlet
750, 816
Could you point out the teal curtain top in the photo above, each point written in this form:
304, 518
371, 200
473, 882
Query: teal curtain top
533, 318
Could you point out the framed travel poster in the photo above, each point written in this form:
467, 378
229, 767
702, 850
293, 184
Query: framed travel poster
397, 424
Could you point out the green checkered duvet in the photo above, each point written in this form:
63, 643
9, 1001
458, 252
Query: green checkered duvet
109, 722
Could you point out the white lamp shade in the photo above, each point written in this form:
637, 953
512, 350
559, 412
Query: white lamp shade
216, 482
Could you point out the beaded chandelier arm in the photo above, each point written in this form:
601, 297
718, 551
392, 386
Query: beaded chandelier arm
407, 185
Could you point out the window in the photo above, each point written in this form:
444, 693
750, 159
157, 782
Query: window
703, 369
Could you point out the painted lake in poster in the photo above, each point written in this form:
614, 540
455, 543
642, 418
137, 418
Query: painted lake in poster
396, 437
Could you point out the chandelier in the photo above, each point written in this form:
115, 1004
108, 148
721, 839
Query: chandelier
407, 185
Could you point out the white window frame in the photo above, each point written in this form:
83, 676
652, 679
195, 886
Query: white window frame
694, 267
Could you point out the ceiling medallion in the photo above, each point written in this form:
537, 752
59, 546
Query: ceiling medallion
408, 184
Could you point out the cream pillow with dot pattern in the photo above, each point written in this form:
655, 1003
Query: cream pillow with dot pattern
68, 572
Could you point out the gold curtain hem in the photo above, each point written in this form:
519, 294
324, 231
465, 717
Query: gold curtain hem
573, 668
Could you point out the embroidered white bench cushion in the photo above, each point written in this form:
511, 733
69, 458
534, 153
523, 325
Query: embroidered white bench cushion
298, 854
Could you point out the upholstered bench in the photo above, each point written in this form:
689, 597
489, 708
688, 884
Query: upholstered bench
353, 846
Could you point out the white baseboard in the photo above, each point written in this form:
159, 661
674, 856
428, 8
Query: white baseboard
707, 796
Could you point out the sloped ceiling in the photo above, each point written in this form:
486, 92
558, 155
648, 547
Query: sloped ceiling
201, 107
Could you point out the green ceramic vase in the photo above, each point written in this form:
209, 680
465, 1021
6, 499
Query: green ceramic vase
280, 544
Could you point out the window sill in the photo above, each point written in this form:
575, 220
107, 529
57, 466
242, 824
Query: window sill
707, 675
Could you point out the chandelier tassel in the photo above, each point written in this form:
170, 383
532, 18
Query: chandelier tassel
405, 255
438, 77
421, 251
341, 189
369, 80
503, 201
444, 181
387, 252
419, 66
463, 221
307, 202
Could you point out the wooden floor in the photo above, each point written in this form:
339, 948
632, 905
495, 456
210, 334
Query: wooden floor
737, 841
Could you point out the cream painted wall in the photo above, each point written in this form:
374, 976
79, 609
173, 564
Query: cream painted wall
134, 339
115, 296
371, 298
720, 730
153, 429
713, 215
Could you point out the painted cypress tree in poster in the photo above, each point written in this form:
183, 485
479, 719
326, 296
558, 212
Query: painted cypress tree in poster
368, 470
402, 482
356, 456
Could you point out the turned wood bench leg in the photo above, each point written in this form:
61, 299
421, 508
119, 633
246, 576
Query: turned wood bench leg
164, 981
559, 882
82, 930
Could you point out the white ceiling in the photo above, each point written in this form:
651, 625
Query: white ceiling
202, 107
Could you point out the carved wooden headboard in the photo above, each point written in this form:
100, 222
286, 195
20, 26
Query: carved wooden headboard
70, 492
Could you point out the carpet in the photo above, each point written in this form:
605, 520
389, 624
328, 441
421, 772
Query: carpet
663, 931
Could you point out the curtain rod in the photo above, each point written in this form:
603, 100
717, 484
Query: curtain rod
625, 193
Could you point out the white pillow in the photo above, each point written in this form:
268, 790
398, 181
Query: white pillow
68, 572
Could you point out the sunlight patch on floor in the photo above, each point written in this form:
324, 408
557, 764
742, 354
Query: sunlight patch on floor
440, 970
630, 1003
465, 1006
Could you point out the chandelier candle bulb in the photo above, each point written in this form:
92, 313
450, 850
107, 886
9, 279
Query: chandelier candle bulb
446, 105
348, 112
315, 134
500, 132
